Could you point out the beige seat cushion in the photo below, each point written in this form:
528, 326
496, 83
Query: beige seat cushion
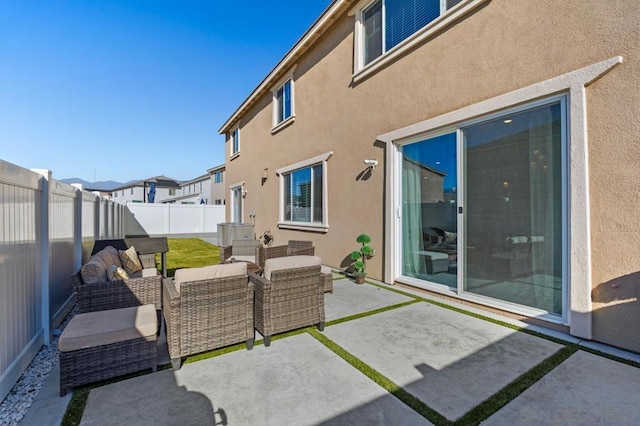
107, 327
209, 273
325, 270
251, 259
146, 272
289, 262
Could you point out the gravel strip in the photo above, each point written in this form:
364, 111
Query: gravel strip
15, 405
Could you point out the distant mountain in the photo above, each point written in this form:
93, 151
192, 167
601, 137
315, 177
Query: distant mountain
107, 185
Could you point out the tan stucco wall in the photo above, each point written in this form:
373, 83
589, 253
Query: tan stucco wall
505, 45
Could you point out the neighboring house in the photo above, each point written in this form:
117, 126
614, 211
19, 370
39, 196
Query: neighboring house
218, 189
138, 192
529, 108
194, 191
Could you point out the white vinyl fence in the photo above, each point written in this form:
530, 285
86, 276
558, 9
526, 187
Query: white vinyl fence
46, 229
173, 219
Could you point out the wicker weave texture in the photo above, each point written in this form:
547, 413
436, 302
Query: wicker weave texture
265, 253
294, 298
117, 294
147, 260
107, 361
208, 314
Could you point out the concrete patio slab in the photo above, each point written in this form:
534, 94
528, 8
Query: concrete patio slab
452, 362
349, 298
296, 380
49, 407
585, 389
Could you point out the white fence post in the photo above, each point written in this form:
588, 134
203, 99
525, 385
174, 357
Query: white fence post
44, 253
77, 226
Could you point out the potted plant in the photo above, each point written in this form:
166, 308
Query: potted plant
360, 257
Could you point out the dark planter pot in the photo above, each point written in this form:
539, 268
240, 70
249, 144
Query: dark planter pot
360, 278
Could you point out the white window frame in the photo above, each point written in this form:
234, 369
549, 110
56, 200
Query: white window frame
579, 309
279, 125
446, 18
234, 138
314, 227
217, 176
232, 205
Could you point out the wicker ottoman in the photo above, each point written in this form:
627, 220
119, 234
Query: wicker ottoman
101, 345
435, 262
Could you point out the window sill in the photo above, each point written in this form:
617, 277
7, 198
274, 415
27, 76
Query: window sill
286, 123
321, 228
416, 39
234, 156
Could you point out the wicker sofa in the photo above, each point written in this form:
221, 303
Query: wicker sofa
208, 308
293, 248
289, 296
94, 291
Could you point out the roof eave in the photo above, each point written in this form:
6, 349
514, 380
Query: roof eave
307, 40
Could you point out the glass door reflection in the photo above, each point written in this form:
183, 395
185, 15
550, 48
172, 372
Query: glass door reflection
429, 206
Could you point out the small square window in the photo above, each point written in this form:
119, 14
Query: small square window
283, 103
235, 141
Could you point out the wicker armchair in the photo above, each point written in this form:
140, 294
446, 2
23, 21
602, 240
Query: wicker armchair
293, 248
240, 249
287, 299
207, 308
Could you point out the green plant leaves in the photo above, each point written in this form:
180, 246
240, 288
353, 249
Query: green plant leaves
355, 255
363, 239
367, 250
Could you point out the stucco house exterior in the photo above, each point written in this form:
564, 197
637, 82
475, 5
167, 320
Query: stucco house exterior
218, 190
529, 111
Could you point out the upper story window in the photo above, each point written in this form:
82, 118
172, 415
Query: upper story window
283, 104
172, 191
235, 141
303, 195
383, 24
217, 176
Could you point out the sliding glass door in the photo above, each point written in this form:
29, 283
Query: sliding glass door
507, 199
513, 203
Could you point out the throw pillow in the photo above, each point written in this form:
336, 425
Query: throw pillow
130, 261
450, 237
116, 273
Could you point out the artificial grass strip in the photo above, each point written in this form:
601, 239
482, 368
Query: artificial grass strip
373, 312
189, 253
391, 387
505, 395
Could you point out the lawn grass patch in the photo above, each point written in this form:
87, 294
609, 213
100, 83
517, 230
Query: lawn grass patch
189, 253
387, 384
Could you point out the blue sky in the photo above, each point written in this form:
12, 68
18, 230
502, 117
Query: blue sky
122, 90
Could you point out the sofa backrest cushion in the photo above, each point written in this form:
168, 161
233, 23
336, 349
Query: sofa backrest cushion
111, 256
289, 262
94, 271
209, 273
